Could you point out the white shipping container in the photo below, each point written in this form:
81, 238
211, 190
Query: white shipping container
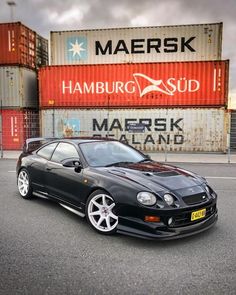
18, 87
202, 130
137, 45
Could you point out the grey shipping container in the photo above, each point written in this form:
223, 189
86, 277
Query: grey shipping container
202, 130
18, 87
137, 45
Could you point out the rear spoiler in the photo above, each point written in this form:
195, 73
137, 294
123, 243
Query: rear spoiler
32, 144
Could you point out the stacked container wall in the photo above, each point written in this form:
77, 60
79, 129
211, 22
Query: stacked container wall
137, 45
176, 84
18, 87
17, 126
188, 130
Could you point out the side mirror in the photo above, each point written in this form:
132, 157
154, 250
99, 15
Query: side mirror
73, 163
147, 156
78, 166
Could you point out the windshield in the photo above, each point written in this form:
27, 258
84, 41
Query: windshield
103, 153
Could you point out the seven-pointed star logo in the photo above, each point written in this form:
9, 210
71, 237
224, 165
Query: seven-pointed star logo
77, 48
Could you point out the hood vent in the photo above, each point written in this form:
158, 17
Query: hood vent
166, 173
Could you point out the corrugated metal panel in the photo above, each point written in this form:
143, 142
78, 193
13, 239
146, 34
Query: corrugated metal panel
135, 85
17, 126
41, 51
233, 130
18, 87
202, 130
135, 45
17, 44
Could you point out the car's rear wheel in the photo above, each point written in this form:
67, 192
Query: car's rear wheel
24, 184
100, 212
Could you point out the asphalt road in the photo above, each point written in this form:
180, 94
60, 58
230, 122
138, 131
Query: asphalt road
45, 249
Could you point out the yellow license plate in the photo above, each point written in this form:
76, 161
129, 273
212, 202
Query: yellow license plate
198, 214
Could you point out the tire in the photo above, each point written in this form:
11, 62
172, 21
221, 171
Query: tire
24, 184
100, 212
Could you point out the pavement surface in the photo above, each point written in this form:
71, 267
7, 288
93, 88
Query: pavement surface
44, 249
169, 157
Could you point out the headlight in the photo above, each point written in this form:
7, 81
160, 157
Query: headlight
169, 199
210, 191
207, 189
146, 198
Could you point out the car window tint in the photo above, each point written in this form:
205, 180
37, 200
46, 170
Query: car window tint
102, 153
46, 152
64, 151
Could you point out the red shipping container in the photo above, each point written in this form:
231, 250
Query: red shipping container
172, 84
18, 44
17, 126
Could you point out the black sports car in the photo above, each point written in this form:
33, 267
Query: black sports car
116, 187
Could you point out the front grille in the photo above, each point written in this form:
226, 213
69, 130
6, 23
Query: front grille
195, 199
184, 219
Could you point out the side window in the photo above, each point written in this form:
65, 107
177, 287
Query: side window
64, 151
46, 152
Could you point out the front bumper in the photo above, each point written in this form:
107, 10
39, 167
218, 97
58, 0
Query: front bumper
135, 227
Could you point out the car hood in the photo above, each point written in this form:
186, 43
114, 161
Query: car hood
157, 176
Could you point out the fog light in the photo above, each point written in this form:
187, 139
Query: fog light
152, 218
170, 221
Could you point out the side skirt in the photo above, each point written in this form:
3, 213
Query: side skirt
73, 210
44, 195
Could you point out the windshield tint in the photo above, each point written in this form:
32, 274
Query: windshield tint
103, 153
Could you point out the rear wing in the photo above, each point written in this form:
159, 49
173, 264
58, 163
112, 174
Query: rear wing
32, 144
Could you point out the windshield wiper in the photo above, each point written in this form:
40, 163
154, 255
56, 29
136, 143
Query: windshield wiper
119, 163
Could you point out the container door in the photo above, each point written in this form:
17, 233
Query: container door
12, 129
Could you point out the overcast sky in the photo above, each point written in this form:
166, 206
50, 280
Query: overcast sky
44, 16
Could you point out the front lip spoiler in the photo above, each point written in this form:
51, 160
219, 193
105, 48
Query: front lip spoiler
171, 233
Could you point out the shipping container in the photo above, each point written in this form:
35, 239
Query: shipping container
137, 45
135, 85
18, 87
18, 125
41, 51
233, 130
187, 130
21, 45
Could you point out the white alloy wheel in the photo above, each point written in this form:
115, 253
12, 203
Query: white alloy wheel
23, 183
100, 212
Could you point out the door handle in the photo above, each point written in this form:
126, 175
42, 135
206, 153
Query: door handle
48, 168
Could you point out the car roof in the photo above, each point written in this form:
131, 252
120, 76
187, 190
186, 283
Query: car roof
78, 140
31, 146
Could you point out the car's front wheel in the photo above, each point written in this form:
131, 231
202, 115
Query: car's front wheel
24, 184
100, 212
